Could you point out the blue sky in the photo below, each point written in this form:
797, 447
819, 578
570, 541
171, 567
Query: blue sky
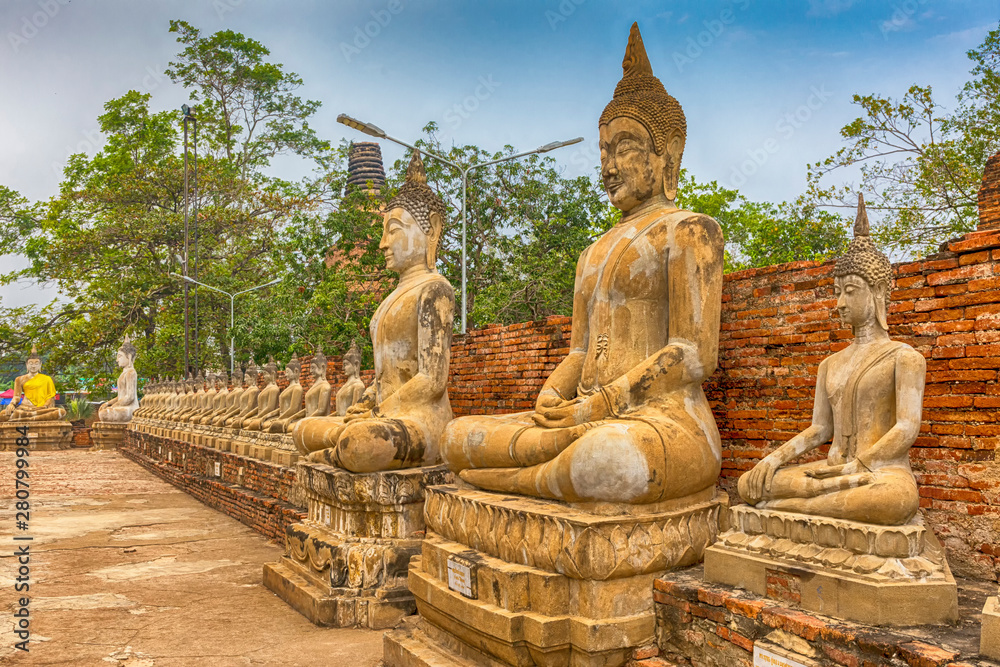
748, 73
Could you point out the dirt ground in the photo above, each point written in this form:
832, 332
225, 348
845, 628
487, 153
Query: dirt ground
126, 570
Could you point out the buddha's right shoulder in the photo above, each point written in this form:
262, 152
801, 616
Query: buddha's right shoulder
438, 285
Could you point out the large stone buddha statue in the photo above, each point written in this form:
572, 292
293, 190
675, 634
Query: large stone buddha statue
34, 395
623, 417
399, 420
121, 408
869, 399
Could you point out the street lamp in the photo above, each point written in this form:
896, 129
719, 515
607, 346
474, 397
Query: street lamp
375, 131
232, 321
186, 110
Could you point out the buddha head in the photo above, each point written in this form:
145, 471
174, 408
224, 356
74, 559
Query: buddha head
293, 369
411, 228
642, 134
221, 380
270, 371
863, 278
237, 378
126, 353
251, 375
352, 361
318, 365
34, 362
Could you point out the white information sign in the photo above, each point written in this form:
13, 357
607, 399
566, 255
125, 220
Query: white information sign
218, 469
326, 514
460, 577
769, 657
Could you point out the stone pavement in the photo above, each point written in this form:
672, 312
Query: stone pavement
128, 571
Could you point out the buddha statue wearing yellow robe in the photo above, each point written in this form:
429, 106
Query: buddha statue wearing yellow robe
34, 395
400, 418
623, 418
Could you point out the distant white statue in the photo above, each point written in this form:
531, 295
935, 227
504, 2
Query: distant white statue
120, 408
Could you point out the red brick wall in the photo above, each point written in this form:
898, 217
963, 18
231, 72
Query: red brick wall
989, 195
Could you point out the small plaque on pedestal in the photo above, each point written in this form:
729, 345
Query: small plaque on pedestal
462, 577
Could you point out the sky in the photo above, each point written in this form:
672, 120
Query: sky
748, 74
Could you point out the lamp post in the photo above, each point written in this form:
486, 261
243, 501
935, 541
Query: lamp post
377, 132
186, 110
232, 320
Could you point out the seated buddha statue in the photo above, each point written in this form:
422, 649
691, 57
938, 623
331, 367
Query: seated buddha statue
201, 393
242, 397
267, 407
232, 400
248, 401
623, 418
169, 399
399, 420
289, 400
219, 400
121, 408
182, 403
317, 399
869, 399
150, 393
34, 395
354, 387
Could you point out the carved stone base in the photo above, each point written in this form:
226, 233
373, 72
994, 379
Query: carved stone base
108, 435
346, 564
880, 575
509, 580
42, 436
989, 641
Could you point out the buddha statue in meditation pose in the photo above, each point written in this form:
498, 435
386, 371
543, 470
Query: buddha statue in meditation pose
623, 418
121, 408
245, 400
399, 420
869, 399
230, 400
253, 405
204, 391
268, 401
219, 400
34, 395
354, 388
289, 401
317, 401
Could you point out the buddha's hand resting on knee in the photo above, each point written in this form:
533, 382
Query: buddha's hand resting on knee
758, 480
848, 468
576, 411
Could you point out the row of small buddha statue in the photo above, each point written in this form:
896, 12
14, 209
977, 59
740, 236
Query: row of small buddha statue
208, 400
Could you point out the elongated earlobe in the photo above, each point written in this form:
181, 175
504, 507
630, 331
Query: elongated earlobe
881, 296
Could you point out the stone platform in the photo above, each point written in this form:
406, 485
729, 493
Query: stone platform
510, 580
989, 642
42, 436
276, 447
108, 435
346, 564
879, 575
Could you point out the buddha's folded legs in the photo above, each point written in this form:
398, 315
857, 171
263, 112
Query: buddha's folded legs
313, 434
886, 497
39, 415
114, 414
631, 461
369, 445
504, 441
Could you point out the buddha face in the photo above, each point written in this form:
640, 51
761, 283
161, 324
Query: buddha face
318, 370
33, 366
350, 367
855, 300
291, 373
632, 171
403, 243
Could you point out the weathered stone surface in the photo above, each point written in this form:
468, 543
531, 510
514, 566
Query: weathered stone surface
989, 644
882, 575
42, 435
121, 408
108, 435
346, 564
